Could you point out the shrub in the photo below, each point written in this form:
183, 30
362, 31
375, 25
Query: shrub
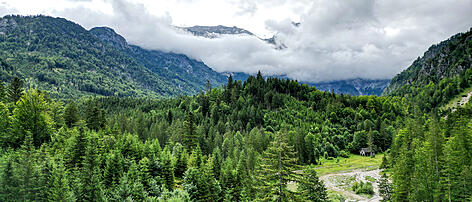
363, 188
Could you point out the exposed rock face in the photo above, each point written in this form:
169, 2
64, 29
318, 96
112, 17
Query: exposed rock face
109, 36
355, 86
444, 60
215, 31
7, 24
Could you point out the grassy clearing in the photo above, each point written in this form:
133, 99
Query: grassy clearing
454, 101
354, 162
369, 178
335, 196
292, 186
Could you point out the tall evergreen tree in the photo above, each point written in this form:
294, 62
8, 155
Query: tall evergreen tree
190, 137
167, 166
310, 187
3, 93
15, 90
5, 126
71, 115
181, 157
94, 115
385, 188
277, 169
9, 188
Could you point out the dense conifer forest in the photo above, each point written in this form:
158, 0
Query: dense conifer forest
247, 140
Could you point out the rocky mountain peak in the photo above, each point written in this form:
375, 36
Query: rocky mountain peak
109, 35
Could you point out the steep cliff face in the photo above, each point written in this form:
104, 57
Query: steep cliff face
444, 60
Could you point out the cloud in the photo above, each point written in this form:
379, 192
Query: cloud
336, 40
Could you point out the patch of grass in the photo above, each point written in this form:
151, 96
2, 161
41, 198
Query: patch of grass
454, 101
354, 162
369, 178
292, 186
335, 196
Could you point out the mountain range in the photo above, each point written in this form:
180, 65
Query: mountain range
68, 61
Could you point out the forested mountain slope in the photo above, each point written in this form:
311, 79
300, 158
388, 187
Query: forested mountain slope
68, 61
180, 70
430, 158
444, 71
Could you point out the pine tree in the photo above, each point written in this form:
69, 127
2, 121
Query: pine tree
310, 187
277, 169
90, 186
15, 90
76, 147
113, 169
458, 160
217, 160
201, 184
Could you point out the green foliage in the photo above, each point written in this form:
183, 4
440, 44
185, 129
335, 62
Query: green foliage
15, 90
250, 143
69, 61
310, 187
71, 115
385, 188
277, 169
31, 116
363, 188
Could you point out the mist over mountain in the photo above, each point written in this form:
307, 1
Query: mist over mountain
113, 102
62, 57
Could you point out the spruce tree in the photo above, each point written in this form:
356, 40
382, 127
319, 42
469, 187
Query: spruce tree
277, 169
167, 166
181, 158
190, 137
3, 93
94, 115
310, 187
5, 122
15, 90
385, 188
9, 189
71, 115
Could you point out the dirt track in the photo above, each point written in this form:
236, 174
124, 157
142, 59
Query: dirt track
335, 182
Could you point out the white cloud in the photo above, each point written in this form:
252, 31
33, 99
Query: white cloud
336, 39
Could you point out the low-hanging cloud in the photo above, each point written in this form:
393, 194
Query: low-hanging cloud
336, 39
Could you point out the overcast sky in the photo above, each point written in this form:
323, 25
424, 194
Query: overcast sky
336, 40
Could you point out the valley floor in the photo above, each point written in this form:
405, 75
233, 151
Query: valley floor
342, 183
339, 176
